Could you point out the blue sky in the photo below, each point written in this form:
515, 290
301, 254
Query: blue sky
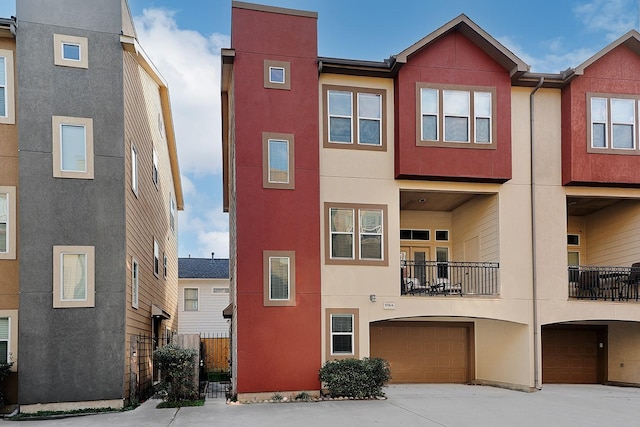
184, 37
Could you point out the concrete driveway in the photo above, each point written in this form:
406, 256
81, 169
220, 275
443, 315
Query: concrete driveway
407, 405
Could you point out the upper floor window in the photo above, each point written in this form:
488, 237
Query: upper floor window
612, 122
279, 278
70, 51
72, 147
354, 118
356, 234
172, 213
73, 276
155, 167
190, 299
455, 114
277, 74
7, 111
278, 160
156, 258
135, 277
134, 169
7, 222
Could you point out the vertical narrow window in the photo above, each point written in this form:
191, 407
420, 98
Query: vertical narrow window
442, 259
4, 339
73, 276
340, 116
276, 75
278, 161
482, 113
73, 148
172, 213
4, 223
371, 234
369, 119
134, 283
623, 115
190, 299
279, 275
134, 169
164, 264
156, 258
429, 107
3, 87
155, 167
599, 117
456, 115
342, 232
342, 342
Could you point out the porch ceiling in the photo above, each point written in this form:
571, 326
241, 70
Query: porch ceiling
581, 206
432, 201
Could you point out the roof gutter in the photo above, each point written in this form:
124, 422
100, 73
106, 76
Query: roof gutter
536, 338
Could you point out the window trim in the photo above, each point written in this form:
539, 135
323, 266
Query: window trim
135, 181
266, 138
58, 252
10, 117
286, 66
329, 312
156, 258
184, 299
609, 149
266, 274
356, 260
58, 46
56, 128
471, 131
12, 218
355, 136
135, 282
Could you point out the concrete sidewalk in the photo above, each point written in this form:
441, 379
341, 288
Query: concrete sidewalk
407, 405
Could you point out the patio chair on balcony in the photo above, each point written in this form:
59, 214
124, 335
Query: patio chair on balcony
633, 281
588, 284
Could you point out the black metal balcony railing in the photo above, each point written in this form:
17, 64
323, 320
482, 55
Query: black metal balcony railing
604, 283
433, 278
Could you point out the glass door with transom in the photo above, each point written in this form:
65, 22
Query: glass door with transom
415, 267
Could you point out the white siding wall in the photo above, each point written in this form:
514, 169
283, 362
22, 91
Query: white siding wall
208, 319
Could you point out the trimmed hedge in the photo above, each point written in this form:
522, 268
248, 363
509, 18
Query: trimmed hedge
357, 378
177, 366
4, 373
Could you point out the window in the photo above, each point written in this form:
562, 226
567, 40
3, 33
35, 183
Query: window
156, 258
277, 74
355, 234
190, 299
455, 114
573, 239
73, 276
354, 118
7, 222
442, 235
70, 51
414, 234
279, 278
72, 147
342, 333
612, 123
442, 259
172, 213
278, 161
220, 290
7, 108
135, 274
155, 168
134, 169
164, 264
4, 339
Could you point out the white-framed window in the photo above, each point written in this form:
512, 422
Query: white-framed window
135, 285
573, 239
442, 259
7, 222
172, 213
277, 74
278, 160
134, 169
73, 276
72, 147
7, 106
156, 258
342, 334
356, 234
220, 290
5, 331
613, 123
155, 167
279, 278
442, 235
455, 114
164, 265
70, 51
190, 299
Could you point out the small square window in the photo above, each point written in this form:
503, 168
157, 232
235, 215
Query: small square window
70, 51
573, 239
277, 74
442, 235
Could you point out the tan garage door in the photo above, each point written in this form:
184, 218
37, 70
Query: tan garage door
570, 356
423, 353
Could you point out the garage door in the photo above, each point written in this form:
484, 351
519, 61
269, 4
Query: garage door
571, 356
423, 353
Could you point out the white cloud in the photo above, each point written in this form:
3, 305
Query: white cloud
614, 17
190, 62
554, 60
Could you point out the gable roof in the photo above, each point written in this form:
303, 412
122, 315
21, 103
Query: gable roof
203, 268
631, 40
503, 56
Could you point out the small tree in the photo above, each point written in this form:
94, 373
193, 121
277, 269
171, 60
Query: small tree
5, 368
355, 377
177, 365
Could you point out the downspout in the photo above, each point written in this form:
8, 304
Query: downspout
536, 349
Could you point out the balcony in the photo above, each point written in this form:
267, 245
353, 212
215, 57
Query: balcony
437, 278
604, 283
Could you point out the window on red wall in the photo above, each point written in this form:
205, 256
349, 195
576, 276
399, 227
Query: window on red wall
612, 123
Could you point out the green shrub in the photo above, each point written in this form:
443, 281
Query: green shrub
355, 377
177, 366
4, 373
